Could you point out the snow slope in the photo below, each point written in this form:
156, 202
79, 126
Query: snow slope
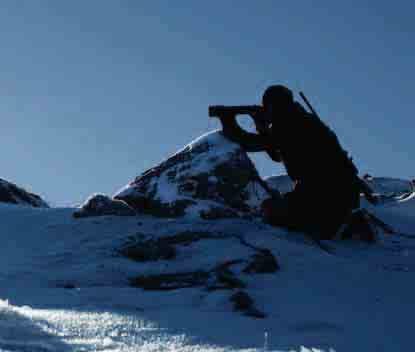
63, 288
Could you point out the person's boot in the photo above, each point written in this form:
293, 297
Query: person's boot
359, 226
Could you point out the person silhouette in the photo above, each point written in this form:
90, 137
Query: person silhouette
326, 184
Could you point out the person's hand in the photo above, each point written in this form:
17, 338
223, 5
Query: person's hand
261, 126
260, 122
227, 118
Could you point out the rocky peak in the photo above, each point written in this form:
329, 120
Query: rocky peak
211, 177
11, 193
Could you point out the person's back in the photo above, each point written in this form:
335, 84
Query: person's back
310, 150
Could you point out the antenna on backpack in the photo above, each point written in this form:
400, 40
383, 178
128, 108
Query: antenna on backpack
308, 104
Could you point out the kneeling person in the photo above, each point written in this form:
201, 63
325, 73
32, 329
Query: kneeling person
326, 183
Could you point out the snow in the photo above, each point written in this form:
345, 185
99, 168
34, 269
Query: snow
166, 191
219, 150
215, 138
257, 195
360, 299
390, 186
282, 183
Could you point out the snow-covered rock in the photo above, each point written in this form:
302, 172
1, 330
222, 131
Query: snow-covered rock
389, 186
209, 178
11, 193
100, 204
280, 183
383, 187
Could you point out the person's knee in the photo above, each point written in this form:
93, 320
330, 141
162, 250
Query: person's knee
275, 212
272, 206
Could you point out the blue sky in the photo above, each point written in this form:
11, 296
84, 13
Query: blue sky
95, 92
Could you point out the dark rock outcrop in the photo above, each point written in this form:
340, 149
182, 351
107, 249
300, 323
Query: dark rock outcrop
262, 262
149, 250
244, 303
199, 259
11, 193
100, 204
210, 178
220, 277
173, 281
140, 249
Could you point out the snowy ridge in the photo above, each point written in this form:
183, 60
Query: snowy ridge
390, 187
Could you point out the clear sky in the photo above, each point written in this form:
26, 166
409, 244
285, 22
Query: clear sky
95, 92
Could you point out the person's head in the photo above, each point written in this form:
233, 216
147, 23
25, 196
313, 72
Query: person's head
277, 98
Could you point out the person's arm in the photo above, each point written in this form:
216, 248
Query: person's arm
274, 155
263, 128
251, 142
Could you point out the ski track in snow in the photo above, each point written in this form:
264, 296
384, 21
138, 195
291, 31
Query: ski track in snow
360, 299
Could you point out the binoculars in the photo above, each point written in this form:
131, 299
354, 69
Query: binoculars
223, 111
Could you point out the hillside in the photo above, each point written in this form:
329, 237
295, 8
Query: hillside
187, 282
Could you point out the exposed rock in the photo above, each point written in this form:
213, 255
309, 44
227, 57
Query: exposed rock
244, 303
224, 278
141, 249
186, 238
150, 250
220, 278
11, 193
172, 281
218, 213
263, 262
99, 205
241, 300
208, 260
210, 178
